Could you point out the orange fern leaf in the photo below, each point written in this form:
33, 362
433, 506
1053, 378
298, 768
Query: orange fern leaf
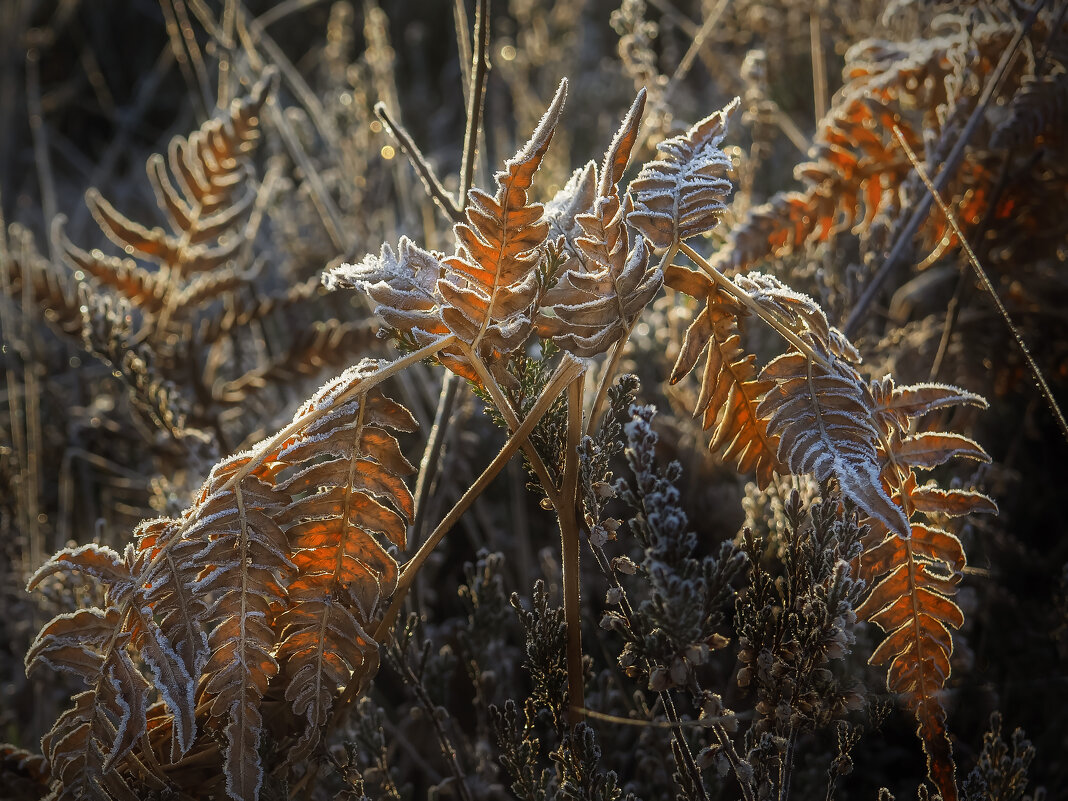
730, 388
484, 292
343, 504
491, 282
912, 601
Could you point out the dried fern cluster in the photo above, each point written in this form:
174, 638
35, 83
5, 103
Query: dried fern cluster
231, 646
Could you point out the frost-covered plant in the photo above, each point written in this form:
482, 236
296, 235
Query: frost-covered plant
234, 638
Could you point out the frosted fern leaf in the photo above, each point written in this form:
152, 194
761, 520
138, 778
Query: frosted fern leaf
683, 193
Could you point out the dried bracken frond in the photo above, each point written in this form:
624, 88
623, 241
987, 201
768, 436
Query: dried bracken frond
598, 298
246, 562
682, 194
342, 505
402, 283
168, 581
202, 188
799, 312
826, 427
483, 294
912, 601
240, 312
730, 388
1037, 112
575, 198
45, 286
144, 289
491, 282
853, 170
95, 736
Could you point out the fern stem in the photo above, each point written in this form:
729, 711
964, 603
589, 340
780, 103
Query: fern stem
743, 297
951, 218
505, 408
565, 373
266, 446
567, 514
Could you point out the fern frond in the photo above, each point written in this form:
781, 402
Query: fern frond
23, 774
730, 388
402, 283
799, 312
143, 289
246, 564
597, 299
204, 191
919, 573
850, 176
170, 572
896, 406
825, 422
484, 292
491, 282
47, 289
1039, 110
576, 197
347, 482
683, 192
97, 734
240, 312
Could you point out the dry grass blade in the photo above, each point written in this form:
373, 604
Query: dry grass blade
1036, 371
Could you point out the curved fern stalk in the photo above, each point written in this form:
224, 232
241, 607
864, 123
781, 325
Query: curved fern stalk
92, 741
918, 573
348, 490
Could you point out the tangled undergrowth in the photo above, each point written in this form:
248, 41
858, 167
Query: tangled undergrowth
749, 478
